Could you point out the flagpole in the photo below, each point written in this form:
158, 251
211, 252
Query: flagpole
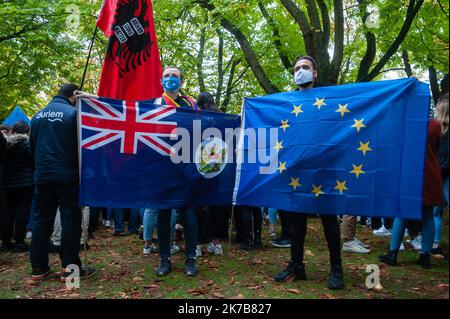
89, 57
230, 230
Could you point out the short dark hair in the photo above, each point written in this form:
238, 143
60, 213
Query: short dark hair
174, 67
5, 128
206, 102
20, 127
67, 90
309, 58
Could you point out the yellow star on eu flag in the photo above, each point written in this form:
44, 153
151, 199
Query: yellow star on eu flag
297, 110
285, 125
317, 190
282, 167
319, 103
357, 170
359, 124
343, 109
295, 183
364, 147
340, 186
279, 146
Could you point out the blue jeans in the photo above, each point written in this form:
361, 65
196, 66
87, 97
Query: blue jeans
399, 227
438, 214
189, 220
272, 212
117, 215
149, 218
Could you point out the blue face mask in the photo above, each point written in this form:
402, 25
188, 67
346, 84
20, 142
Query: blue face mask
171, 84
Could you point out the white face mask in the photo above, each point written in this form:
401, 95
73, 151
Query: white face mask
303, 77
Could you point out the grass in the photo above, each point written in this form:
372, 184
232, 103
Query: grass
124, 273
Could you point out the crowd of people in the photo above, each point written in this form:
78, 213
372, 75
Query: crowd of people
39, 187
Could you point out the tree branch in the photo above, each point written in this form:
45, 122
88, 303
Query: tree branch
413, 9
302, 21
406, 63
371, 46
200, 55
276, 37
246, 48
338, 41
219, 67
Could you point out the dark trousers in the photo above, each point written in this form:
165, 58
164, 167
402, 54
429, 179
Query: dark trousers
298, 226
18, 209
212, 223
251, 223
285, 228
3, 216
94, 214
48, 199
189, 221
376, 223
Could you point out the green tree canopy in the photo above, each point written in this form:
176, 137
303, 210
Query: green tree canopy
230, 48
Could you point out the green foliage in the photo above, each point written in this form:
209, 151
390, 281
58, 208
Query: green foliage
49, 52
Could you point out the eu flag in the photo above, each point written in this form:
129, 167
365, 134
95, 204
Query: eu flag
356, 149
139, 155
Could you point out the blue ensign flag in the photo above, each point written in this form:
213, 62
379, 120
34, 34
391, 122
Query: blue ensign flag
356, 149
140, 155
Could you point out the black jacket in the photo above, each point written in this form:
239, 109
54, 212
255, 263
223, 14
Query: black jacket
2, 156
443, 154
18, 165
54, 143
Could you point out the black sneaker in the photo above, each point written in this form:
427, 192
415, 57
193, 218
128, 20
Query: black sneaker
336, 280
85, 273
191, 268
246, 245
281, 243
390, 258
293, 270
82, 247
21, 248
164, 268
40, 273
257, 244
436, 251
424, 261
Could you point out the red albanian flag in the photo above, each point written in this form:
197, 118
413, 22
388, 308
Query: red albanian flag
132, 68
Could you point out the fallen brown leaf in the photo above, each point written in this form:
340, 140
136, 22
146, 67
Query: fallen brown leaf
294, 291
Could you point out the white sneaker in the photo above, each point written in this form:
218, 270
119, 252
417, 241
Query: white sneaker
215, 249
417, 243
179, 227
210, 248
108, 224
382, 232
147, 250
402, 246
174, 249
360, 243
353, 247
29, 235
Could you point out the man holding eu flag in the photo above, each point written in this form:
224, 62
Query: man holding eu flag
305, 77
